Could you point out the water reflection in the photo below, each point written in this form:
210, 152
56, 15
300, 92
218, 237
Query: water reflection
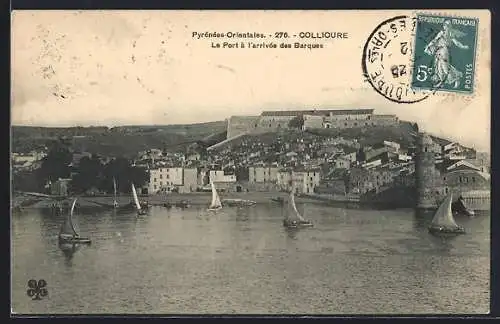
242, 214
68, 250
443, 243
292, 232
422, 218
235, 261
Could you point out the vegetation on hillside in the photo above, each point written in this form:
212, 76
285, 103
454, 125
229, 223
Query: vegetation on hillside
119, 141
89, 174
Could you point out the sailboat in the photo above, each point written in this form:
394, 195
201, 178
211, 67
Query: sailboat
216, 203
140, 211
460, 207
443, 221
293, 218
68, 234
115, 203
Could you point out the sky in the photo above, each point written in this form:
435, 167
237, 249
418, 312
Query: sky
144, 67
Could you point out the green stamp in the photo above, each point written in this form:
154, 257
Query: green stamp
444, 53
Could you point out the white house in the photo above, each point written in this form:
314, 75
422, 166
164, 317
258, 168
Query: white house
342, 163
284, 179
262, 174
372, 164
393, 145
219, 176
305, 181
165, 179
404, 157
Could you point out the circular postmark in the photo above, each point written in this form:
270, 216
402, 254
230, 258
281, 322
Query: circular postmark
387, 60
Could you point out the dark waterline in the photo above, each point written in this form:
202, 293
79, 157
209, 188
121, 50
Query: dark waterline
242, 261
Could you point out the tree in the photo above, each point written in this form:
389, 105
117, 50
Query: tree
25, 181
117, 169
89, 174
139, 176
124, 174
55, 165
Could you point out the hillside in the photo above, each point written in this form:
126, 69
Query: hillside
122, 140
403, 134
128, 140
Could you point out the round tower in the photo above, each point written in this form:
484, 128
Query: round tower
425, 171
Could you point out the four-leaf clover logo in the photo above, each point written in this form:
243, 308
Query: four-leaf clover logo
36, 289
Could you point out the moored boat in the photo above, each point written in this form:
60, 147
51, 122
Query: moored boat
280, 200
237, 202
182, 204
460, 207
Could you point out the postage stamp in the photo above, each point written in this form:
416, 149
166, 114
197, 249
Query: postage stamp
444, 53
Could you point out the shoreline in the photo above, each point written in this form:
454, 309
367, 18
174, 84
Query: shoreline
195, 198
200, 199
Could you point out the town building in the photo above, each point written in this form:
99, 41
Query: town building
216, 176
77, 156
393, 146
262, 174
332, 187
165, 179
194, 156
461, 178
284, 182
342, 162
303, 181
60, 187
362, 180
28, 161
190, 180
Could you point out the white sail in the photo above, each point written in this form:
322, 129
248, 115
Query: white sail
216, 203
294, 207
68, 227
72, 208
114, 189
136, 200
444, 216
73, 225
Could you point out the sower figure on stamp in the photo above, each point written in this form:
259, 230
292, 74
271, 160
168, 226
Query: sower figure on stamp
439, 48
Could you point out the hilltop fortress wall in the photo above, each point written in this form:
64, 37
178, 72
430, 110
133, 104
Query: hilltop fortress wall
313, 119
237, 125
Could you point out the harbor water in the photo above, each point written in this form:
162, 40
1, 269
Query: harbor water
243, 261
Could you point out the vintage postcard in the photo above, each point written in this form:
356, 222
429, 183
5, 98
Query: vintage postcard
251, 162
